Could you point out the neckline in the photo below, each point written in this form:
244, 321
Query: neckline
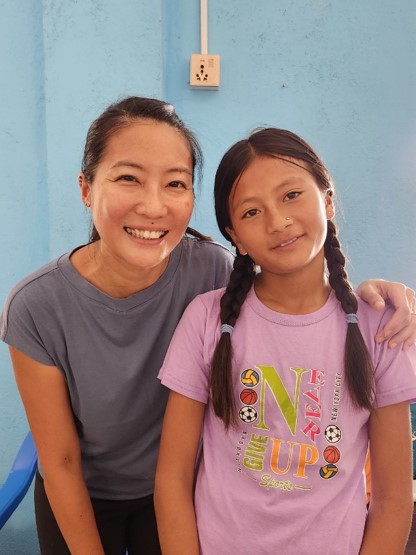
267, 313
89, 290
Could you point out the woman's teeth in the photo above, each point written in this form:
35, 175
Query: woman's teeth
145, 234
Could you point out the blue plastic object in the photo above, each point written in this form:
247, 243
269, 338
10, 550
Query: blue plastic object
19, 479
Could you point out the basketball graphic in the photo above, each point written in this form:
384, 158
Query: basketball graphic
249, 397
331, 454
332, 433
248, 414
250, 378
328, 471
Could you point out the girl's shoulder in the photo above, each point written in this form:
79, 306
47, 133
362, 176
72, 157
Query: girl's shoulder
208, 303
372, 320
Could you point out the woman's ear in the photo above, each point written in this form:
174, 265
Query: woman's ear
329, 205
85, 190
236, 241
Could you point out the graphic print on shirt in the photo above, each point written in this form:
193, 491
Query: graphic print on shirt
285, 463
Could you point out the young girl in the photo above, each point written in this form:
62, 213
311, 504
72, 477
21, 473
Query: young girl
282, 373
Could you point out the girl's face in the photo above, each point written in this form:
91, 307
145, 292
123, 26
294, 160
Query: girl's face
279, 216
141, 198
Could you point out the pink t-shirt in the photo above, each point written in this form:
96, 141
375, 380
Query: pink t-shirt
289, 478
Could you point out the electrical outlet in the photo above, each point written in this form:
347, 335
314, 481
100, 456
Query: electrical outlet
205, 71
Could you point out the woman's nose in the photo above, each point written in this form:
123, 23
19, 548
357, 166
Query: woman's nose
151, 204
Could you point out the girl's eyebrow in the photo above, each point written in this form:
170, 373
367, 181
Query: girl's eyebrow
288, 181
127, 163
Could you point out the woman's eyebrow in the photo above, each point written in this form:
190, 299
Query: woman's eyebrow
128, 163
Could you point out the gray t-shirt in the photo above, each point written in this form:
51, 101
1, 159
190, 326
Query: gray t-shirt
110, 351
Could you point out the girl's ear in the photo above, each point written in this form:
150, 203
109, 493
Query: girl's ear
329, 205
85, 190
236, 241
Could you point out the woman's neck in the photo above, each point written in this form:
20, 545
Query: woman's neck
110, 276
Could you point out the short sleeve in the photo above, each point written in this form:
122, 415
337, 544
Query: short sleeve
19, 327
186, 366
395, 376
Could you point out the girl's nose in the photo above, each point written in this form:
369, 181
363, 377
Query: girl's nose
279, 222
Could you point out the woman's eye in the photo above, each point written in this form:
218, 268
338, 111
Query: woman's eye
250, 213
129, 178
176, 185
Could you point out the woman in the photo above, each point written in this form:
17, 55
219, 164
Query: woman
88, 332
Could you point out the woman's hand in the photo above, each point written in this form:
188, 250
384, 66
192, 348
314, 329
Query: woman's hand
402, 327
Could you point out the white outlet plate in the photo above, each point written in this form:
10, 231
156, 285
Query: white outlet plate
205, 71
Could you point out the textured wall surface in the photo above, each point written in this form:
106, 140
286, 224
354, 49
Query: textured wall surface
341, 74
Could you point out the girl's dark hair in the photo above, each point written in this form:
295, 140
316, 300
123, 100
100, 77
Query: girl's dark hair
123, 113
282, 144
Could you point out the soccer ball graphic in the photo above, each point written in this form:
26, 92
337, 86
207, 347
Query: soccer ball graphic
332, 433
248, 414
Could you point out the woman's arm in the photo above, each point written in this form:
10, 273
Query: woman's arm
401, 329
45, 398
175, 476
391, 501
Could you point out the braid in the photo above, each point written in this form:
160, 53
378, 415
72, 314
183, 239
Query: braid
338, 278
359, 371
241, 280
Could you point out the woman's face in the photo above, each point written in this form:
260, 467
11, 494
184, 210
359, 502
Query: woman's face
141, 198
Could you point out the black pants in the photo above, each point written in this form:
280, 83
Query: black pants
122, 525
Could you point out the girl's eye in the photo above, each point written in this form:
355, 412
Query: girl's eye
250, 213
292, 195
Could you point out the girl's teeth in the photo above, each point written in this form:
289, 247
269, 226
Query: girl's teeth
288, 242
141, 234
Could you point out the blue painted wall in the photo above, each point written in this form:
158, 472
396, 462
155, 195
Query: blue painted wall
341, 74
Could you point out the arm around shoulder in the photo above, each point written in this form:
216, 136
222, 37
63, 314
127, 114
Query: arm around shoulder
401, 328
175, 476
45, 398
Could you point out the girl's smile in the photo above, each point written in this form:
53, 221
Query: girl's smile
289, 242
278, 215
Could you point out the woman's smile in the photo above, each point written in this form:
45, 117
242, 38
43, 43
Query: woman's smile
145, 233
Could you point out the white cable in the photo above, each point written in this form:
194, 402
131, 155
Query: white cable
204, 26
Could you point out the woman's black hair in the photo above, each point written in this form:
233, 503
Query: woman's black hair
282, 144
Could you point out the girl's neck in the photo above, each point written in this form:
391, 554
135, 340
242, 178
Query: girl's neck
290, 294
111, 277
